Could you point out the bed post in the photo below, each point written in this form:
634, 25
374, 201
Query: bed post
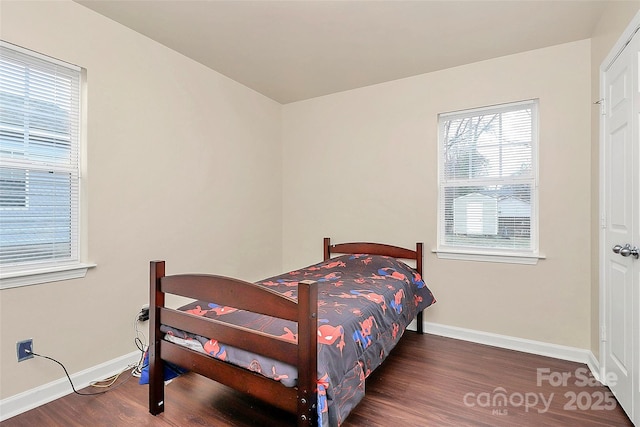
307, 412
156, 367
419, 257
327, 245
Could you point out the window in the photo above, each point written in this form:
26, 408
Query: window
487, 182
39, 163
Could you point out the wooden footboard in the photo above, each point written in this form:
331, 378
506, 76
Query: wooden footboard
301, 399
379, 249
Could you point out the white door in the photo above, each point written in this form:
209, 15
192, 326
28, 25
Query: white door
620, 188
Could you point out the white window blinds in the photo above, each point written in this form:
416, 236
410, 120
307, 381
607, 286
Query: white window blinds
39, 160
487, 179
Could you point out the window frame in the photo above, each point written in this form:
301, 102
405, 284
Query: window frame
446, 250
52, 269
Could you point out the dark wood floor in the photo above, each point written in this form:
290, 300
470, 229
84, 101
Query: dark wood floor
427, 381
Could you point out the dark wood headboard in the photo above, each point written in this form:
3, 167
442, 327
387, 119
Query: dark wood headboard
375, 249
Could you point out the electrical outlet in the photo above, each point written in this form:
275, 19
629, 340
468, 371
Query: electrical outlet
144, 313
24, 349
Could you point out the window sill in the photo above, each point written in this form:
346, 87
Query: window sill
501, 257
43, 275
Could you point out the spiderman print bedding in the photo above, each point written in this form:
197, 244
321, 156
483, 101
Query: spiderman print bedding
365, 303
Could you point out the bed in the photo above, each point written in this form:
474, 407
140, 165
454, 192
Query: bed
304, 341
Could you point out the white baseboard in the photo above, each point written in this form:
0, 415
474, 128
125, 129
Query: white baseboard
594, 366
556, 351
46, 393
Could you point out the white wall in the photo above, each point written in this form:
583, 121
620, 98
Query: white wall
184, 165
362, 165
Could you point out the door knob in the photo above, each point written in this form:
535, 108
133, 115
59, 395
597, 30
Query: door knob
626, 250
629, 251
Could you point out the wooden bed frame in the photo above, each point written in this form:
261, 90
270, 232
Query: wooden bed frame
301, 399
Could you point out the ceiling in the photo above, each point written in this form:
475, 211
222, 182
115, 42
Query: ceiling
295, 50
